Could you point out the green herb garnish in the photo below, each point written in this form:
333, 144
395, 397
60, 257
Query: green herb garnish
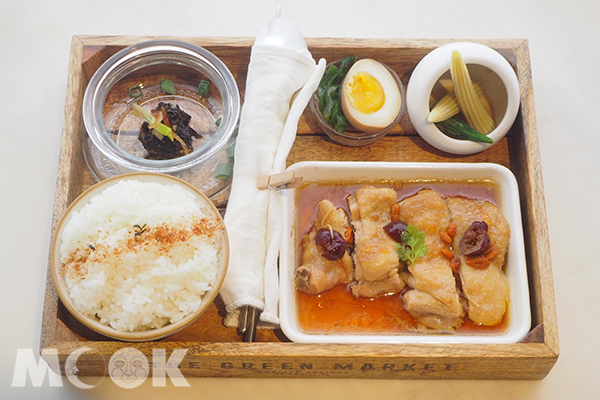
203, 87
413, 245
329, 93
218, 121
167, 86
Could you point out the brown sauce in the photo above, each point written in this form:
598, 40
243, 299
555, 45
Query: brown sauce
337, 311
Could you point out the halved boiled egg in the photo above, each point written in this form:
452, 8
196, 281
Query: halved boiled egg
370, 97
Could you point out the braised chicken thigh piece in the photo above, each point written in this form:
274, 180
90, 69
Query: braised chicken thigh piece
375, 257
433, 298
481, 242
324, 260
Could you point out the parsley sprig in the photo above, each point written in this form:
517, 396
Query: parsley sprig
413, 245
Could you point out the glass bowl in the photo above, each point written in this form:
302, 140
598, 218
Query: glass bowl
113, 147
351, 136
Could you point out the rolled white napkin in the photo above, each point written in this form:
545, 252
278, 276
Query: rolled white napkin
279, 85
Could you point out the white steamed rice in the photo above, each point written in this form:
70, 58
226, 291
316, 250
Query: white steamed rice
137, 283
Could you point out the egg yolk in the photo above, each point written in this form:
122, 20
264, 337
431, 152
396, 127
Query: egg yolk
366, 93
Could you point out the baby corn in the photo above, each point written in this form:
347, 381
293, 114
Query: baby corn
467, 98
448, 106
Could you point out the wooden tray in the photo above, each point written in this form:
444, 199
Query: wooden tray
217, 351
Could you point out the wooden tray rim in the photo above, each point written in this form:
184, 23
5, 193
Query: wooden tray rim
547, 336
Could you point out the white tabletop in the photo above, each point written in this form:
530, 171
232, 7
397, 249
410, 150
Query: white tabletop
35, 38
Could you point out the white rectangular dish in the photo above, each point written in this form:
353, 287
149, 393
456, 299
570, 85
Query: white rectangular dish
519, 320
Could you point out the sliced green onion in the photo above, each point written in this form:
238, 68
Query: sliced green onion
145, 115
167, 86
203, 87
158, 135
164, 130
142, 113
218, 122
224, 171
135, 91
230, 150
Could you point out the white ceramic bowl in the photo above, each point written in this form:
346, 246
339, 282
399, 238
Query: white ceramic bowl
487, 67
136, 336
519, 321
